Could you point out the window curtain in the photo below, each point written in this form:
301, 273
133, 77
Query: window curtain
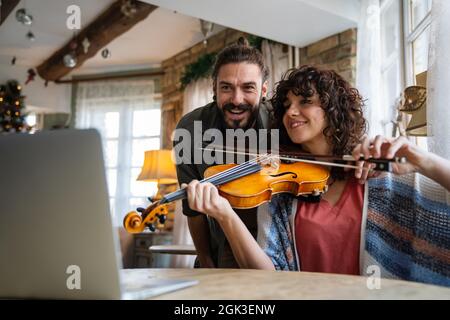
438, 80
368, 71
95, 101
277, 63
196, 94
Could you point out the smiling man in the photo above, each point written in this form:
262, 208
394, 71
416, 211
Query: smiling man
240, 86
238, 94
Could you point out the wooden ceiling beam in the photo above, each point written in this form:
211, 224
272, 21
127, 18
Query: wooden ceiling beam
6, 7
111, 77
108, 26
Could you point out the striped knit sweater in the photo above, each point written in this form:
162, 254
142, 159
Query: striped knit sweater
405, 230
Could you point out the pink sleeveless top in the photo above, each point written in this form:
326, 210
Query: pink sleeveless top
328, 238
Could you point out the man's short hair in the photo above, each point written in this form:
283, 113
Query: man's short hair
238, 53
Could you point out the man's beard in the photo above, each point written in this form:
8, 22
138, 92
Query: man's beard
242, 107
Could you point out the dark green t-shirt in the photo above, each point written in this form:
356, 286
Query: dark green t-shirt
211, 118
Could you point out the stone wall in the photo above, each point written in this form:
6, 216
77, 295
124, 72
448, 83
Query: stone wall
337, 52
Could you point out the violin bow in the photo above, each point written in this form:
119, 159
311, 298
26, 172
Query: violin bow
380, 164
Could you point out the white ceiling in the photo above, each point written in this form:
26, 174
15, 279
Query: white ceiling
294, 22
160, 36
163, 34
166, 32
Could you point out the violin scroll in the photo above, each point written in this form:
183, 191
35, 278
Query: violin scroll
133, 222
150, 217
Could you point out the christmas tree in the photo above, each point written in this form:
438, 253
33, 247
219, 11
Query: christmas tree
12, 107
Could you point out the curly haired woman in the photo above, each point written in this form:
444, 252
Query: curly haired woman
386, 222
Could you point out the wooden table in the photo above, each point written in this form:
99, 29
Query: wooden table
225, 284
174, 249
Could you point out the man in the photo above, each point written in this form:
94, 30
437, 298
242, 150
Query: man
240, 86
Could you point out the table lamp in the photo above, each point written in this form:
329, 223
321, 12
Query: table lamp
158, 167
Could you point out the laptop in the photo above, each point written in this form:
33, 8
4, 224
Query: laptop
56, 234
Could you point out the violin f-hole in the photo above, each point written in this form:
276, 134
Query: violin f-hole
294, 175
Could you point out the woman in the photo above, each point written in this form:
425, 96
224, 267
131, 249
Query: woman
318, 112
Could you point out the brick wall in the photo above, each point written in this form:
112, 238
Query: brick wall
337, 52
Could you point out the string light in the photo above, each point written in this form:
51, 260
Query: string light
17, 102
19, 88
17, 113
1, 99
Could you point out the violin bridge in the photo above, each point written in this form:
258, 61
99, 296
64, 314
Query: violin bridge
271, 166
275, 164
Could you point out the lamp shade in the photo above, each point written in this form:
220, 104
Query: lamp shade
158, 167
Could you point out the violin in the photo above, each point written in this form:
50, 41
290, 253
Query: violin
252, 183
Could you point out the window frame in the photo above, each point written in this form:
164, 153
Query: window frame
410, 35
123, 195
386, 63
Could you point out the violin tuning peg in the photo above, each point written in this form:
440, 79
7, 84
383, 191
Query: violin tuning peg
150, 199
140, 209
162, 219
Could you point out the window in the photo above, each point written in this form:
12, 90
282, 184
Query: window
405, 32
391, 56
32, 120
417, 19
418, 11
125, 143
128, 116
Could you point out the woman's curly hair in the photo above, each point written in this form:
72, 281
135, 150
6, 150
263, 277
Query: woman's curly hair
342, 105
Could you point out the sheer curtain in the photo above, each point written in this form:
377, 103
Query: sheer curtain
120, 110
438, 82
196, 94
368, 78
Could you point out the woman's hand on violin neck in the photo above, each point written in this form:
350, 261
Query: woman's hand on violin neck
205, 198
388, 148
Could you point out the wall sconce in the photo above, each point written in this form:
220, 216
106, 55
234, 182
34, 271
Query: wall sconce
415, 103
206, 28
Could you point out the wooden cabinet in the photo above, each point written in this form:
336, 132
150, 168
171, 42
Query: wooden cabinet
143, 258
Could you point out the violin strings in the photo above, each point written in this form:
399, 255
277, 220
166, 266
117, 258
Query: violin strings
233, 170
244, 170
181, 193
233, 173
